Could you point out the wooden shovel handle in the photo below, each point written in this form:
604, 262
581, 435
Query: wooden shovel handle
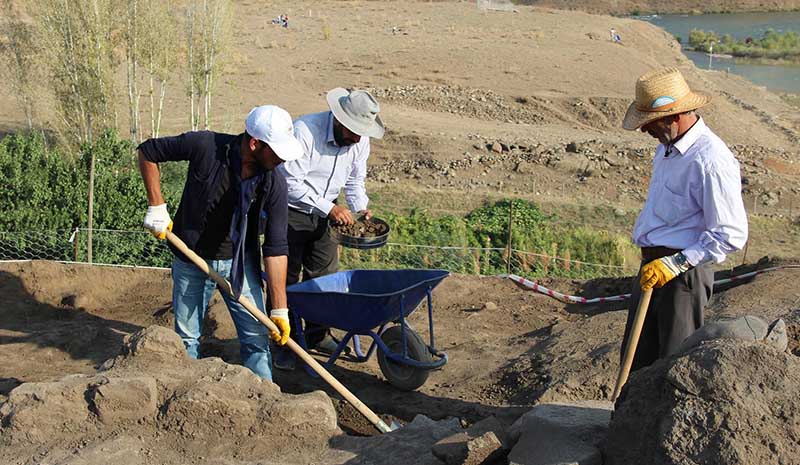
260, 316
633, 341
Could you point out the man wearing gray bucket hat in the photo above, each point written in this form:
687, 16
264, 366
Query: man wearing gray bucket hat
336, 146
693, 217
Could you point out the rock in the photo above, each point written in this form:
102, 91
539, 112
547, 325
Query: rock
748, 328
489, 306
618, 212
154, 341
496, 147
585, 420
727, 401
409, 445
560, 433
455, 449
117, 400
40, 411
483, 449
572, 147
769, 198
552, 446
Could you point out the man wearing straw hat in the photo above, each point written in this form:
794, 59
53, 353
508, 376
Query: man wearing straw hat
335, 152
693, 217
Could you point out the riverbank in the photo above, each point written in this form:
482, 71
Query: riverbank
641, 7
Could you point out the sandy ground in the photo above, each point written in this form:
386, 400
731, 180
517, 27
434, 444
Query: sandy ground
451, 80
508, 348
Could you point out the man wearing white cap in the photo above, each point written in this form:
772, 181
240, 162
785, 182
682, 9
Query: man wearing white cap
232, 194
693, 217
335, 151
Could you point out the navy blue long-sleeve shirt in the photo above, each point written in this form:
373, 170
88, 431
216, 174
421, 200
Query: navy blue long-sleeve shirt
214, 191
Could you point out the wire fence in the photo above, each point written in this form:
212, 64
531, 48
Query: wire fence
139, 248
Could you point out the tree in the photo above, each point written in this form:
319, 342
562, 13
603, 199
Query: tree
207, 36
77, 42
19, 54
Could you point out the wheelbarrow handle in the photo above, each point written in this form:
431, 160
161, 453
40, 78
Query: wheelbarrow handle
633, 341
225, 286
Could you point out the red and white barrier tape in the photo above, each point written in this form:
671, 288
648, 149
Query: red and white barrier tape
572, 299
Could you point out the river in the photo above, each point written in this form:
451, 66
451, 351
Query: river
779, 78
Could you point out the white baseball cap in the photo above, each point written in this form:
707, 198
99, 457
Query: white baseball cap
273, 125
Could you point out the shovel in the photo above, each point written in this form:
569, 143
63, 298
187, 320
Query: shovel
225, 286
633, 341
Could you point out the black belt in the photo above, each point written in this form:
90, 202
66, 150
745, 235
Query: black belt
654, 253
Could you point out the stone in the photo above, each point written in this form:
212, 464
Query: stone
550, 445
489, 306
572, 147
154, 341
496, 147
724, 402
39, 411
118, 400
585, 420
409, 445
560, 433
483, 449
455, 449
748, 328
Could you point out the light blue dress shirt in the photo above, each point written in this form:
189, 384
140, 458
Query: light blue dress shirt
315, 179
694, 202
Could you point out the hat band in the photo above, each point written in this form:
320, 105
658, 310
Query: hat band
670, 105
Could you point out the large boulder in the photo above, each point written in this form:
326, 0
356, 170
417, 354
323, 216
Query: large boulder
561, 433
746, 328
36, 411
724, 402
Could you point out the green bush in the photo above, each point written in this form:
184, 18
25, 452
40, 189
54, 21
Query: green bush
46, 190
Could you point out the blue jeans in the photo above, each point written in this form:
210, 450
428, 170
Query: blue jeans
191, 292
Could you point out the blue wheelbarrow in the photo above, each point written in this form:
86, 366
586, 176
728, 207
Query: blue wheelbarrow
365, 303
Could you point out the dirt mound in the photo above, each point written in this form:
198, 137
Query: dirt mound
725, 402
153, 389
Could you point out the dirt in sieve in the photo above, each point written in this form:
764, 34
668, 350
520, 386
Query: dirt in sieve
366, 228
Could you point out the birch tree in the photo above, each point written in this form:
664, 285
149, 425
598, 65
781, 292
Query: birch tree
77, 43
207, 36
19, 54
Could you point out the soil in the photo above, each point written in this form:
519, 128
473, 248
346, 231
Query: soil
477, 105
366, 228
508, 348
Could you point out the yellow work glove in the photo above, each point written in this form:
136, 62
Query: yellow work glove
157, 220
280, 316
663, 270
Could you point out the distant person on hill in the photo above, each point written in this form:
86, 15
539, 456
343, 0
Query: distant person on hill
233, 193
693, 217
615, 37
335, 151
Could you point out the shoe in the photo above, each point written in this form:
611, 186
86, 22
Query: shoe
283, 359
328, 346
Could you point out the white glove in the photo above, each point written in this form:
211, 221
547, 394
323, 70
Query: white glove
280, 316
157, 220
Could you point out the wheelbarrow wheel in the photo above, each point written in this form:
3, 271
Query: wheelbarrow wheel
402, 376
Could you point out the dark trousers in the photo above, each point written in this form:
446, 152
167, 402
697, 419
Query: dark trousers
675, 312
313, 252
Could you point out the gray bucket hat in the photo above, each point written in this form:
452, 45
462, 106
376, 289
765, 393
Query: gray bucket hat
357, 111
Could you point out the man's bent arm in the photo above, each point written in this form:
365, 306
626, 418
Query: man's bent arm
152, 180
275, 268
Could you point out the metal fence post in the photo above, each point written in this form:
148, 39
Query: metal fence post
508, 242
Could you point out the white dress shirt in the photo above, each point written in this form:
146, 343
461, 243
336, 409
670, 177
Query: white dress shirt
315, 179
694, 202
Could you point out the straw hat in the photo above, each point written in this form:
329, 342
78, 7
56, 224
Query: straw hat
661, 93
357, 111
